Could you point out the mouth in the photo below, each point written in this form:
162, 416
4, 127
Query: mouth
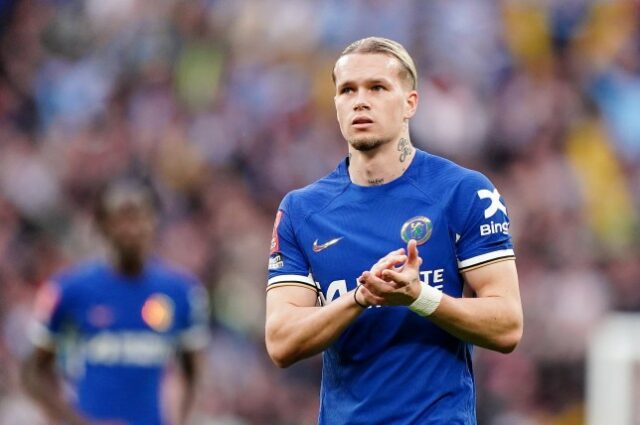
361, 122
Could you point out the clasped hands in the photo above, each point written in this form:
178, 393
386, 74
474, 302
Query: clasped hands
393, 280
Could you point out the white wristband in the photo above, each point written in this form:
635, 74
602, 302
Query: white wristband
428, 300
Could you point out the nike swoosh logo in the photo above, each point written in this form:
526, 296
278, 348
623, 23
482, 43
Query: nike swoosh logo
319, 247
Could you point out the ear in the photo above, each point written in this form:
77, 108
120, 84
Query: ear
411, 104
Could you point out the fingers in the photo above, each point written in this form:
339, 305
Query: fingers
405, 275
391, 292
391, 259
393, 276
376, 285
369, 297
400, 279
389, 262
387, 281
372, 278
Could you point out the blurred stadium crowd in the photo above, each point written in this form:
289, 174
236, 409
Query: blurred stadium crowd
225, 105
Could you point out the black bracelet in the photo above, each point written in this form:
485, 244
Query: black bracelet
355, 298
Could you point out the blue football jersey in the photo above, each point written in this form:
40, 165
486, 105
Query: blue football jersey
392, 366
125, 330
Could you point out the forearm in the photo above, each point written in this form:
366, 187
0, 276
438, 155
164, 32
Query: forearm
42, 385
186, 403
192, 365
296, 332
489, 322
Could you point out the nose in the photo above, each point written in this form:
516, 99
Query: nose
361, 103
361, 106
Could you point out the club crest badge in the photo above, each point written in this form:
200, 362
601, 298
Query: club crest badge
418, 228
101, 316
157, 312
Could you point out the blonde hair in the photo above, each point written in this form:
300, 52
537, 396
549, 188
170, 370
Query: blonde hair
384, 46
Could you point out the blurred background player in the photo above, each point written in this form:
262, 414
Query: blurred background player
410, 361
127, 316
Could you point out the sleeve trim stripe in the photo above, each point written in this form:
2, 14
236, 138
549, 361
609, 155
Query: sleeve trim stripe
301, 285
41, 336
477, 266
484, 258
194, 339
292, 278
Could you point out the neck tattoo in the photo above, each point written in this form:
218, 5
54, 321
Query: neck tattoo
375, 182
404, 148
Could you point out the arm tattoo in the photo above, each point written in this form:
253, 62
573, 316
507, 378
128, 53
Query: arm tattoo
375, 182
404, 148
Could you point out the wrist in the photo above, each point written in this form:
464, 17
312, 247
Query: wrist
427, 301
355, 298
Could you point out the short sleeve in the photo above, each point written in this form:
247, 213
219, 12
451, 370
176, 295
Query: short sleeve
288, 265
50, 313
481, 223
194, 332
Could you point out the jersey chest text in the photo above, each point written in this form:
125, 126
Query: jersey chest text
340, 250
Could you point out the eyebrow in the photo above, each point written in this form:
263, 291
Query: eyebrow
370, 82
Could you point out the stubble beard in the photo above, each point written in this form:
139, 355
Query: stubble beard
366, 144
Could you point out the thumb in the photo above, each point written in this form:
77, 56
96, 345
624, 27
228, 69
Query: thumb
413, 260
392, 276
